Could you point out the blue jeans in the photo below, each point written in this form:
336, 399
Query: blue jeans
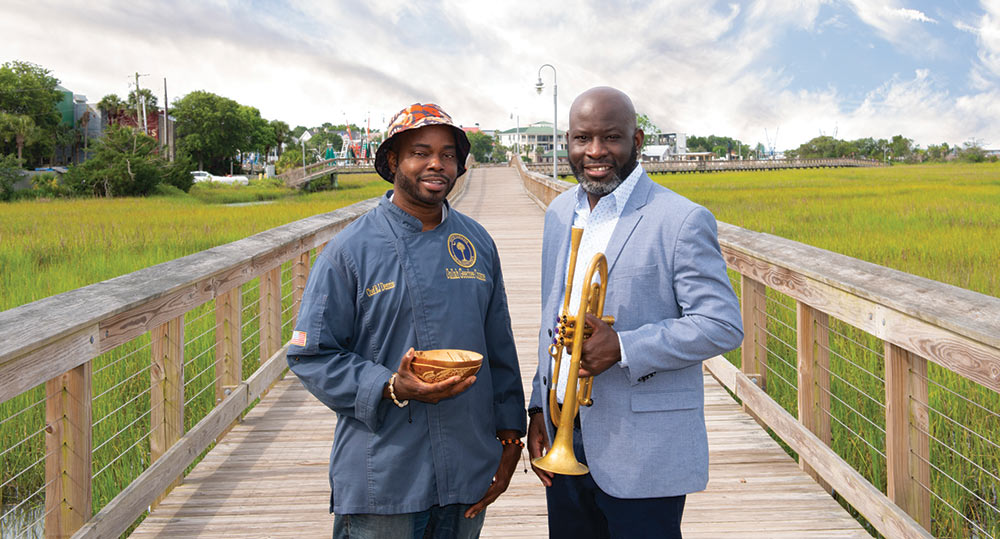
438, 522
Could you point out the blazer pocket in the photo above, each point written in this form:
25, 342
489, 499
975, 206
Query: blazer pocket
633, 271
662, 401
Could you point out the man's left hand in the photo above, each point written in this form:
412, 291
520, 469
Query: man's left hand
601, 350
501, 480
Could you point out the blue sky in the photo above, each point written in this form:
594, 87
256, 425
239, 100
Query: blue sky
795, 68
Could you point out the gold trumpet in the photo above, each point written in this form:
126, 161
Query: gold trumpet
561, 459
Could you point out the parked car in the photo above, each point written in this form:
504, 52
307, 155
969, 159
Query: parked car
202, 176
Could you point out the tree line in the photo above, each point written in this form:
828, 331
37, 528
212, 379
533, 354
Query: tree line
212, 133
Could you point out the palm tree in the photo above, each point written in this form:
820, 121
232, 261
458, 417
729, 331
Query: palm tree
18, 126
110, 105
281, 132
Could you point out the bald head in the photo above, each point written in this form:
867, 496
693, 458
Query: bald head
603, 140
606, 101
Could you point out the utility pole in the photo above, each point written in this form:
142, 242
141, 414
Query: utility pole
165, 127
139, 113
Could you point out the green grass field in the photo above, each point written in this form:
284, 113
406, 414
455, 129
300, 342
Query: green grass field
48, 247
937, 221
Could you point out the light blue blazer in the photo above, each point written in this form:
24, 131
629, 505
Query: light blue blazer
674, 307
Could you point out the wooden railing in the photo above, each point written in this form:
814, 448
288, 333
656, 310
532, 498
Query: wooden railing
54, 342
918, 321
298, 176
720, 165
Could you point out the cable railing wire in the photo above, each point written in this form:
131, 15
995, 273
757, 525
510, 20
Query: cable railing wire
830, 329
781, 359
779, 339
122, 382
26, 468
956, 482
23, 410
782, 378
36, 523
200, 354
859, 367
123, 358
774, 301
852, 386
851, 408
126, 427
23, 440
963, 397
125, 452
957, 453
855, 433
954, 510
957, 423
200, 391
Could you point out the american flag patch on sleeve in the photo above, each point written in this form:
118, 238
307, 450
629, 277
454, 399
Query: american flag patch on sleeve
298, 338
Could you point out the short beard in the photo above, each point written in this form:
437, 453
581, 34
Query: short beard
600, 189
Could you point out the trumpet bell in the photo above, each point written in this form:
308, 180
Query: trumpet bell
561, 460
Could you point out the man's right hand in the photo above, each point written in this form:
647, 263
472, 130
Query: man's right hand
408, 386
538, 445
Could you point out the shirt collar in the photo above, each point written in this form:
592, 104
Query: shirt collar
620, 195
407, 219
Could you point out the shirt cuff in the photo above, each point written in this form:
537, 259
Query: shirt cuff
373, 380
624, 362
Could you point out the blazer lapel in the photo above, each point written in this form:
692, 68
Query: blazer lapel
629, 220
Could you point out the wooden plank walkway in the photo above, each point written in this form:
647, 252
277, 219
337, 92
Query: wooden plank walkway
268, 476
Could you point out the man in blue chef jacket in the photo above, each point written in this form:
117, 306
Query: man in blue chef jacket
412, 459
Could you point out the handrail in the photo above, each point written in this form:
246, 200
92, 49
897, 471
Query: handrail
54, 341
918, 319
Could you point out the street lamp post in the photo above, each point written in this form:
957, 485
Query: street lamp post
555, 115
303, 155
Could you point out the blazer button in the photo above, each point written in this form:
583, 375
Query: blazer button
550, 332
545, 382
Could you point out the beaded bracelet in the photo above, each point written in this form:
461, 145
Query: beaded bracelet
534, 410
392, 391
508, 441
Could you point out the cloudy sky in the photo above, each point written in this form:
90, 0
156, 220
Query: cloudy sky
772, 71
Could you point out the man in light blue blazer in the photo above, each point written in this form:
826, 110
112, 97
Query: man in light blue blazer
644, 437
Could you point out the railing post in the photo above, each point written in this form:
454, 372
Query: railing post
300, 276
814, 378
228, 342
754, 352
166, 396
68, 451
270, 313
907, 447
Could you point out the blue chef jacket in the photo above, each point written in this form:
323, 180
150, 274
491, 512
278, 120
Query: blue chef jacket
378, 288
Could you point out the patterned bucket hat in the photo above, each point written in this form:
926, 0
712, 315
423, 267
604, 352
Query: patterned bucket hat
416, 116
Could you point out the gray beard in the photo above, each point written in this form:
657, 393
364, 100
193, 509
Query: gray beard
598, 188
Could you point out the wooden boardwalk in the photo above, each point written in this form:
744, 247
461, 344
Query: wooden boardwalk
268, 476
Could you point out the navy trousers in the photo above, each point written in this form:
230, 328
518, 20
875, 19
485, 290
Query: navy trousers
579, 509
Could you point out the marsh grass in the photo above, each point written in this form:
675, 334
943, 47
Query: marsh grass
62, 245
937, 221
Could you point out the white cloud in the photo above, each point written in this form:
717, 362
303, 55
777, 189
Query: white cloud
900, 26
692, 66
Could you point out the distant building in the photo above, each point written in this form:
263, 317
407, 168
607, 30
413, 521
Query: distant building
534, 140
547, 157
83, 119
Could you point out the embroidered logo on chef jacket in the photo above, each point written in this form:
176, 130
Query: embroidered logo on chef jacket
464, 254
461, 250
